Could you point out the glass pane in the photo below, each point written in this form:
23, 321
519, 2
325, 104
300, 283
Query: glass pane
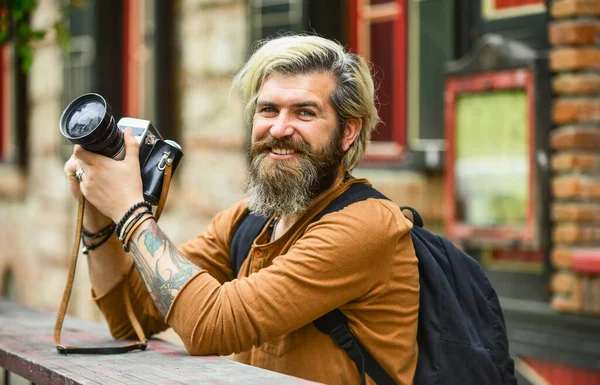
382, 52
492, 161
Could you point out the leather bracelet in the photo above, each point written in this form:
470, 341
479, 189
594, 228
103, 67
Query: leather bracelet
87, 248
133, 228
130, 211
130, 222
108, 229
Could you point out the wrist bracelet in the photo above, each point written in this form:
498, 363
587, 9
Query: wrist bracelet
130, 222
133, 228
130, 211
89, 247
108, 229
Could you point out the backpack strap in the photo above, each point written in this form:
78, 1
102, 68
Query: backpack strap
334, 323
248, 228
355, 193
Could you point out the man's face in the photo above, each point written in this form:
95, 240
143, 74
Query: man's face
296, 144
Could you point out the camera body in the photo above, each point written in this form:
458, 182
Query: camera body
155, 153
88, 121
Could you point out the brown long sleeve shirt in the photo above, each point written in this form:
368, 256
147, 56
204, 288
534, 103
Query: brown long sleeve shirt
360, 259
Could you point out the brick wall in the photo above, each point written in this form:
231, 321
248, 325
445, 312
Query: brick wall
574, 34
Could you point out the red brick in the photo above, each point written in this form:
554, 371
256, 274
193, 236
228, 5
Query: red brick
563, 282
582, 83
575, 137
561, 257
572, 303
576, 187
574, 161
575, 110
568, 8
567, 59
576, 212
575, 233
574, 32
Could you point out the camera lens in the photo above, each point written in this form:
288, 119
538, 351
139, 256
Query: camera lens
85, 118
88, 121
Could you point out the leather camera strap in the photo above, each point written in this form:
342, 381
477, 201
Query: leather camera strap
142, 343
165, 189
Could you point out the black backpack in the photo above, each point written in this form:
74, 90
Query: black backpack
461, 334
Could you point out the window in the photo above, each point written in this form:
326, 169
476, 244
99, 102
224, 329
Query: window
271, 17
378, 32
13, 109
118, 50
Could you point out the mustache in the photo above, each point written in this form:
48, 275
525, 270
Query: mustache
264, 144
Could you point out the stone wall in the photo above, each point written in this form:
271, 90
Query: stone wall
575, 57
37, 213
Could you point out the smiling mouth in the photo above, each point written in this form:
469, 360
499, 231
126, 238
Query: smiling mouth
282, 151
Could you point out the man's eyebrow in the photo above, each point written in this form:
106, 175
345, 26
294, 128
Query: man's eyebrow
308, 103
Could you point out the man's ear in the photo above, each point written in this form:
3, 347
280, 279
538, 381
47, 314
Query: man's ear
352, 129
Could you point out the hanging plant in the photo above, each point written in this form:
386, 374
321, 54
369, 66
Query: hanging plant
15, 27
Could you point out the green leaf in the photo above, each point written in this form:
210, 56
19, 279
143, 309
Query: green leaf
37, 34
26, 56
152, 244
62, 36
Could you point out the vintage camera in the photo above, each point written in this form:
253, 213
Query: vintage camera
89, 122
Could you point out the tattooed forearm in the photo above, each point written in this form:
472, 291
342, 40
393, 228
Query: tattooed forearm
162, 268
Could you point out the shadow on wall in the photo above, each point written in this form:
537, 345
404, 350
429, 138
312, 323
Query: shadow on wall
8, 285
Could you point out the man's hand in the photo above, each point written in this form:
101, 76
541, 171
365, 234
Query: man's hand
111, 186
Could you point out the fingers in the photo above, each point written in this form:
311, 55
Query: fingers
87, 157
132, 147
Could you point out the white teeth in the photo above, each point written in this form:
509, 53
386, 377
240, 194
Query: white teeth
282, 151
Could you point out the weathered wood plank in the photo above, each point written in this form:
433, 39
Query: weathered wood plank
27, 349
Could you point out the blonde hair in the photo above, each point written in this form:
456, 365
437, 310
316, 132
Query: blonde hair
352, 98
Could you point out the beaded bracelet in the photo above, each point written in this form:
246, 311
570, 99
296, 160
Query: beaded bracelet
89, 247
105, 230
130, 211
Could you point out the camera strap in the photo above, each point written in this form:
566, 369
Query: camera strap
141, 344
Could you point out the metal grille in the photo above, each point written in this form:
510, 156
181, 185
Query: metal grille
79, 67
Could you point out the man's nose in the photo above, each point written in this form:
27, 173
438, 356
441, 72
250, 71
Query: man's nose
281, 127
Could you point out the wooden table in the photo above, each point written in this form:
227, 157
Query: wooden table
27, 349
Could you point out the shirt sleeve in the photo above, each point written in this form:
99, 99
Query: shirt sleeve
345, 256
209, 250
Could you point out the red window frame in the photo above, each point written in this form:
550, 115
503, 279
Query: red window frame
500, 80
362, 15
132, 49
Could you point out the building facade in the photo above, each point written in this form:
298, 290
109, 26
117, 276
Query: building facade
172, 63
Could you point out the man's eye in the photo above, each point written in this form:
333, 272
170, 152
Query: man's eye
307, 113
267, 110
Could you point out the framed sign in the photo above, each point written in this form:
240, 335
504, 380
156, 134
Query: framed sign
501, 9
490, 129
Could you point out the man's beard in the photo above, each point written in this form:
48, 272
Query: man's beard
278, 187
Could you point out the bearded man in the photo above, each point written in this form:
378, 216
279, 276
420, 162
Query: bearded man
312, 109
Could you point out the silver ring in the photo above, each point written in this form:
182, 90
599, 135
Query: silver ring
79, 174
